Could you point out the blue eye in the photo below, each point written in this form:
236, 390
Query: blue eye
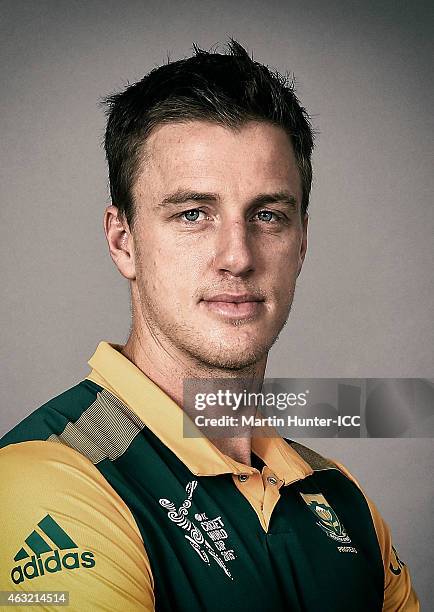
266, 215
191, 215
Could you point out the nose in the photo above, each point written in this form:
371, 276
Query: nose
234, 253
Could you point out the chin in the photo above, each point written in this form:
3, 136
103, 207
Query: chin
235, 363
227, 356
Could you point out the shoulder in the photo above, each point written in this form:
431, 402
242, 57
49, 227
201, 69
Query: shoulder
398, 591
52, 417
60, 515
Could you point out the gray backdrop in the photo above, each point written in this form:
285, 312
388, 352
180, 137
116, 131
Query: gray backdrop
364, 301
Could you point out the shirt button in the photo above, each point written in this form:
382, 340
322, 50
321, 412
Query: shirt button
243, 477
272, 480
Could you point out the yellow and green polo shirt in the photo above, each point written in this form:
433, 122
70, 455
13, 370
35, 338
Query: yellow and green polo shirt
103, 497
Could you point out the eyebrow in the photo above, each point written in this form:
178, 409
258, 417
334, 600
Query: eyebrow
182, 196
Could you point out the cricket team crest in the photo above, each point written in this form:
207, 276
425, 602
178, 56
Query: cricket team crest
328, 519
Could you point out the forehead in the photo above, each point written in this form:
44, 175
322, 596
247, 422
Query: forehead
199, 154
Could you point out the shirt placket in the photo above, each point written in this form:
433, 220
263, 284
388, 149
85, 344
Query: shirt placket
261, 489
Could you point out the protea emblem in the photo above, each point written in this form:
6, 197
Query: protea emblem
324, 514
328, 519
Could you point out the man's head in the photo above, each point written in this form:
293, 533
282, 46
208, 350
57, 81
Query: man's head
210, 173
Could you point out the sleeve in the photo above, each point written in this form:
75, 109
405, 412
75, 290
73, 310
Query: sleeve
399, 595
64, 528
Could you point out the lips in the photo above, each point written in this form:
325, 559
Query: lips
234, 298
234, 306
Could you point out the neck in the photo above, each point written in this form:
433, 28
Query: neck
167, 366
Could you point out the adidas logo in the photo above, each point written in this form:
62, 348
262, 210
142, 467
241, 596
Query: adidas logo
41, 542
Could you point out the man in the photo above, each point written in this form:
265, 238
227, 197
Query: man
210, 173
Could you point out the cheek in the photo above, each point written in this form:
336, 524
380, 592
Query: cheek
164, 275
284, 274
287, 260
167, 269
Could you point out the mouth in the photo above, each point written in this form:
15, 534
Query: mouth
234, 306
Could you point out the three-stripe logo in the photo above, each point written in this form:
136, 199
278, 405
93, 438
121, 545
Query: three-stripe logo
39, 545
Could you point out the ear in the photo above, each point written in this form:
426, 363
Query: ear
303, 244
120, 242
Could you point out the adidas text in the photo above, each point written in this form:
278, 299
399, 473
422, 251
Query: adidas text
51, 564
